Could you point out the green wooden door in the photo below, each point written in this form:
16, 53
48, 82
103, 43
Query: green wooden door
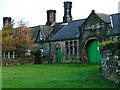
93, 53
58, 55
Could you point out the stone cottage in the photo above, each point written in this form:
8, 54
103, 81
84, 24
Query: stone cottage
76, 39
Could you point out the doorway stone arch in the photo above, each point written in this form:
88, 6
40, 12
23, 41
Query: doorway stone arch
88, 45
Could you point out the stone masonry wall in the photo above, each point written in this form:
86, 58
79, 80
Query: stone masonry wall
16, 61
110, 64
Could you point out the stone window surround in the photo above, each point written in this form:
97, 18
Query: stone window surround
74, 46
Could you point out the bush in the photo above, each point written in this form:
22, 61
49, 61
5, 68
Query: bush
37, 56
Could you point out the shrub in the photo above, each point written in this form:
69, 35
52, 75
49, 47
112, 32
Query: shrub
37, 56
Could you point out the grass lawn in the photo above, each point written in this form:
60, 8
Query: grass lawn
54, 76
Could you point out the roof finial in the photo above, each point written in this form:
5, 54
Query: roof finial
93, 11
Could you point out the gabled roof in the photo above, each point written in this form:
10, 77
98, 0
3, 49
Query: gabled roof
69, 31
103, 17
41, 30
45, 30
115, 21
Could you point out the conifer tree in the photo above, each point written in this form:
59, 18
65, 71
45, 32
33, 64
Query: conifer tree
23, 38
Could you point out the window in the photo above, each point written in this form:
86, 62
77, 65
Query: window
114, 38
117, 38
75, 47
67, 48
71, 48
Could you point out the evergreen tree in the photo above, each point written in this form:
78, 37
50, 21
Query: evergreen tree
23, 38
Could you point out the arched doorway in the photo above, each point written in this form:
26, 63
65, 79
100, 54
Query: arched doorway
92, 51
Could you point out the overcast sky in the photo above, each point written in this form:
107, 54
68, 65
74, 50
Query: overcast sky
34, 11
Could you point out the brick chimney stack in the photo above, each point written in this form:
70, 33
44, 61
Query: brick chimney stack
67, 12
51, 17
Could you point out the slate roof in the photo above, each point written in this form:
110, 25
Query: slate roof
104, 17
54, 29
34, 31
115, 20
43, 29
69, 31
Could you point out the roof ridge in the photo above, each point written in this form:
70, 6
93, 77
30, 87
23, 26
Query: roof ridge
78, 20
103, 14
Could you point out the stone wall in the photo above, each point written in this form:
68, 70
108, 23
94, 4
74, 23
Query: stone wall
16, 61
20, 61
110, 64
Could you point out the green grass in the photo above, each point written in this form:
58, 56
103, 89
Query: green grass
54, 76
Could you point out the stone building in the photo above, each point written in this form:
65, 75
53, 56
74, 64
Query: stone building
74, 40
71, 40
65, 42
92, 32
64, 38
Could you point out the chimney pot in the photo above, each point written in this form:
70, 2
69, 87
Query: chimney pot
6, 20
51, 17
67, 12
93, 11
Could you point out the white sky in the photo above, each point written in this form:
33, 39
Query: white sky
34, 11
